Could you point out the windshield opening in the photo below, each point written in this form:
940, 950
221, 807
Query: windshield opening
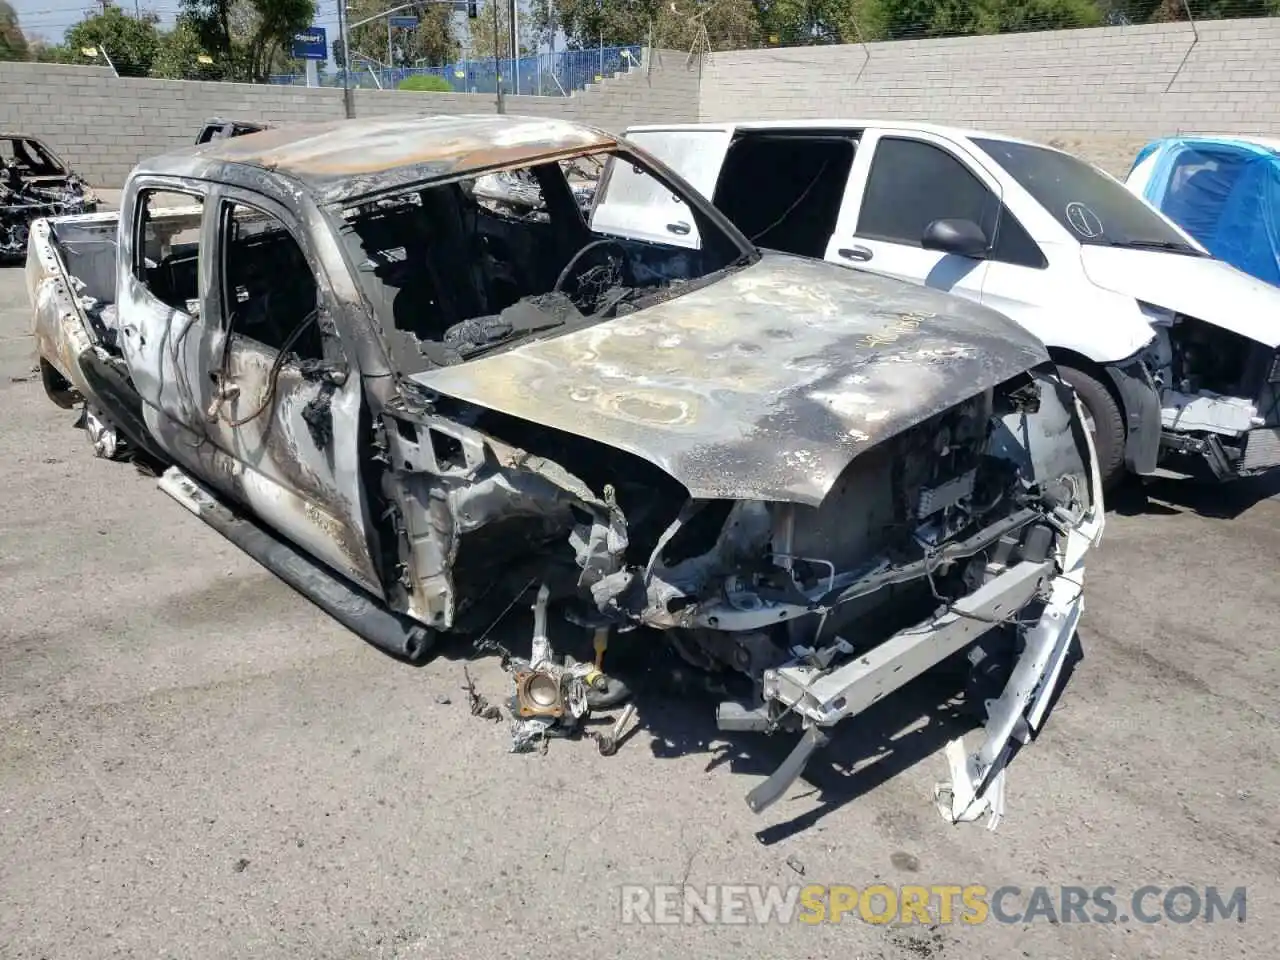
1094, 208
475, 266
28, 157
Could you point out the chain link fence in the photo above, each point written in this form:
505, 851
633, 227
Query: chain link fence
709, 26
542, 75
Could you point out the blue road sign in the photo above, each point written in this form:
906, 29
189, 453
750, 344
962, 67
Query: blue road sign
311, 44
407, 22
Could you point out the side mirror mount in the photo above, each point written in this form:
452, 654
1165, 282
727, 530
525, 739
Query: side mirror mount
964, 238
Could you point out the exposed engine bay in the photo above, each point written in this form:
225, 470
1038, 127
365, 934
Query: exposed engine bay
968, 527
34, 183
1220, 393
811, 483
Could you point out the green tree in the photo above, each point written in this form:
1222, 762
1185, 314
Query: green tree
1162, 11
434, 40
13, 43
1006, 16
245, 38
272, 26
588, 23
680, 24
130, 42
906, 19
819, 21
178, 57
480, 37
675, 24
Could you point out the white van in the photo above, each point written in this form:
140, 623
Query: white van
1173, 353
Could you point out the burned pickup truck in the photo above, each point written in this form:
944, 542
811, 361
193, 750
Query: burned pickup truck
419, 409
34, 183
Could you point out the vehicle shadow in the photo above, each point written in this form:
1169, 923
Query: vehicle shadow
1168, 497
676, 708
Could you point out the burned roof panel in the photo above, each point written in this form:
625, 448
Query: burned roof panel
341, 159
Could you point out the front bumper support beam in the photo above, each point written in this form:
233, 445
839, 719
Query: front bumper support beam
827, 697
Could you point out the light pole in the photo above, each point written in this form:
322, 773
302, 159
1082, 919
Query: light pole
348, 103
497, 68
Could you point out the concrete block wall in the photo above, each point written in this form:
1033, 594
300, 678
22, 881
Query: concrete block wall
102, 125
663, 90
1098, 92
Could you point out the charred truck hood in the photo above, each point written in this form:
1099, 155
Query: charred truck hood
764, 386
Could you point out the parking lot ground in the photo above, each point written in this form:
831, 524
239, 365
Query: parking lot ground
195, 762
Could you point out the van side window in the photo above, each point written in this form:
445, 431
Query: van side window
167, 247
269, 292
783, 190
913, 183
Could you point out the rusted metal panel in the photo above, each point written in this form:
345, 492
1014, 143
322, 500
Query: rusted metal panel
764, 385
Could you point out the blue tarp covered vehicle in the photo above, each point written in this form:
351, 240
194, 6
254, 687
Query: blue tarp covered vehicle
1224, 191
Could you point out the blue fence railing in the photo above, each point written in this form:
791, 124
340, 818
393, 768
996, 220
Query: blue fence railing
540, 75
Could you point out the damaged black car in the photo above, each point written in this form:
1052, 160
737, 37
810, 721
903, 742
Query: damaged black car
34, 183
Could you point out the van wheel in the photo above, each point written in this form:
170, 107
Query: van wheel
1104, 420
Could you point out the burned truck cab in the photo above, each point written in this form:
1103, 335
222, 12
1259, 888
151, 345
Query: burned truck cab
423, 399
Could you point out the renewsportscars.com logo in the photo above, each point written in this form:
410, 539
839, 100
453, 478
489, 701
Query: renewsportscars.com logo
938, 904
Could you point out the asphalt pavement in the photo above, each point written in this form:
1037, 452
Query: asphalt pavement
196, 762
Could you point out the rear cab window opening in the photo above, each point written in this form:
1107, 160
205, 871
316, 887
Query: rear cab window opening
167, 252
476, 265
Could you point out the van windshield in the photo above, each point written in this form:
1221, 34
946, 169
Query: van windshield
1093, 208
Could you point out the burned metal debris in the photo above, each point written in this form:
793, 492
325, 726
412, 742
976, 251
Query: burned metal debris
34, 183
414, 400
611, 739
476, 702
217, 128
552, 695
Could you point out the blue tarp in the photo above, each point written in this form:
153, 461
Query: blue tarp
1225, 193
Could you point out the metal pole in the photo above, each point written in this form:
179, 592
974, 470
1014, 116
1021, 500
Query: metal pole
389, 63
497, 69
107, 57
515, 41
348, 103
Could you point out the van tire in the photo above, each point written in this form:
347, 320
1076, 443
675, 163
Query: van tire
1108, 423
